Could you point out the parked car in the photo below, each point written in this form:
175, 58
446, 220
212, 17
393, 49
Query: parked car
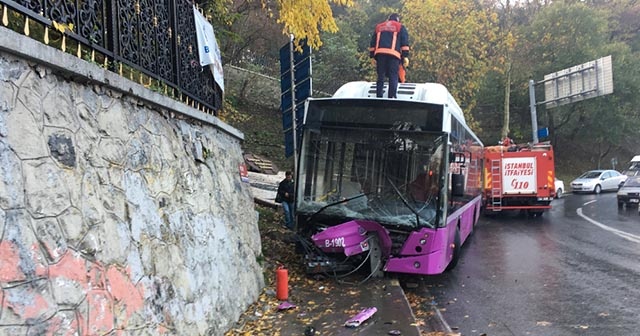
596, 181
559, 186
629, 193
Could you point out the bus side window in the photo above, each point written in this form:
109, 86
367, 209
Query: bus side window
457, 185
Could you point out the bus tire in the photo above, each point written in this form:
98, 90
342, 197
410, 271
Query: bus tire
456, 251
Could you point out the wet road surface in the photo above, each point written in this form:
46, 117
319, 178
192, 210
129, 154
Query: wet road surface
574, 271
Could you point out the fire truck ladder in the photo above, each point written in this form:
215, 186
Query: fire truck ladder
473, 174
496, 185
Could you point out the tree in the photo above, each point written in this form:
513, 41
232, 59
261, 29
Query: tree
567, 34
338, 60
306, 19
451, 43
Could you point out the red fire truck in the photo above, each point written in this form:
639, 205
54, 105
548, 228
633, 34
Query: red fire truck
519, 178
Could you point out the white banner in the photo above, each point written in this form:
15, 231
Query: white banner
208, 50
519, 175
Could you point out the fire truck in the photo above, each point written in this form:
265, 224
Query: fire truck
519, 178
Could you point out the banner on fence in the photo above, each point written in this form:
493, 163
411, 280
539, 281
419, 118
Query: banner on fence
208, 50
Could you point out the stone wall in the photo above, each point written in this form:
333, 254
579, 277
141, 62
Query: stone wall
121, 211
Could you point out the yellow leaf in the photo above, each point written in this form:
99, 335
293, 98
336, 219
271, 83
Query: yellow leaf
62, 27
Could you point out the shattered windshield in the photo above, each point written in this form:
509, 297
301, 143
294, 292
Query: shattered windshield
388, 176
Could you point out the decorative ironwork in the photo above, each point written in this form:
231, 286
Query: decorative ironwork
92, 22
156, 38
33, 5
61, 11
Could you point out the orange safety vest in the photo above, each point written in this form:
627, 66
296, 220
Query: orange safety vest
390, 37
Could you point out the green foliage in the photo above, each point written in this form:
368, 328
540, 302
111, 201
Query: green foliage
337, 61
450, 44
470, 47
567, 34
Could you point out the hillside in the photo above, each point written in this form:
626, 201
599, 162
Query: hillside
255, 100
252, 106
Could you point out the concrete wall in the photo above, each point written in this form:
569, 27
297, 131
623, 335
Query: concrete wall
121, 211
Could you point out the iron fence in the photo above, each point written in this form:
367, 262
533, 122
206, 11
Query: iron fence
155, 38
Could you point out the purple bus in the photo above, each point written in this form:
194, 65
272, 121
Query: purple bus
393, 184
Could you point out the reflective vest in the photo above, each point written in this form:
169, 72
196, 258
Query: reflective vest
390, 37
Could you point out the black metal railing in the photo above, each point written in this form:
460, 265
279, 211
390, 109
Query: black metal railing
154, 38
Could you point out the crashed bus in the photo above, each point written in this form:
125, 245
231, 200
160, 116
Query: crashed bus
393, 184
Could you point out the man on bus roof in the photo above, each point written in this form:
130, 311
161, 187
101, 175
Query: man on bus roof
389, 46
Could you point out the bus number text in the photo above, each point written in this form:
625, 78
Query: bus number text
335, 242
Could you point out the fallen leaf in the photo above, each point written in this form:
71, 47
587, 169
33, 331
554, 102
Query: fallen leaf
543, 323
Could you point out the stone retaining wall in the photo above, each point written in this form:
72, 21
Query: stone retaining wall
121, 211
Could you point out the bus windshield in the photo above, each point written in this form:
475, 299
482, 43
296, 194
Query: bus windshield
391, 175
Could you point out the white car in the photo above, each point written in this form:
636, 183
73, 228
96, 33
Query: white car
559, 186
595, 181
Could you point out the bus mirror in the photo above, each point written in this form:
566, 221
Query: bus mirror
456, 157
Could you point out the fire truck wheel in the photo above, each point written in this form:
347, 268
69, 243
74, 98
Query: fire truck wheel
597, 189
456, 250
534, 213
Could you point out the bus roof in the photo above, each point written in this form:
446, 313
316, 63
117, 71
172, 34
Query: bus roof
432, 93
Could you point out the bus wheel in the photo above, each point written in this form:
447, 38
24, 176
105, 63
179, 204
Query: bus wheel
456, 251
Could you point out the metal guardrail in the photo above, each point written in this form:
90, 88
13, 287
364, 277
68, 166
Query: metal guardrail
152, 40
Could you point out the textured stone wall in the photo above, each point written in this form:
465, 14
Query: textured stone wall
116, 216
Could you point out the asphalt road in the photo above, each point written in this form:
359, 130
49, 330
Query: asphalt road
574, 271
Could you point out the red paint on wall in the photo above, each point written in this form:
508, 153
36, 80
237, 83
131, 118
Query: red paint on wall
70, 267
95, 275
127, 298
64, 325
27, 303
106, 292
101, 319
9, 263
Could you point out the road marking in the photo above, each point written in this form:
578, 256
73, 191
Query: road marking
628, 236
590, 202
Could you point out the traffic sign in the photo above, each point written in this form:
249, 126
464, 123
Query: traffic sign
295, 88
580, 82
287, 121
543, 132
302, 90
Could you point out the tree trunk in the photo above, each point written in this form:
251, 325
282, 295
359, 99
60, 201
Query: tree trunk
507, 95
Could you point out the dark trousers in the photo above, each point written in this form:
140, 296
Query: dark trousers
387, 66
